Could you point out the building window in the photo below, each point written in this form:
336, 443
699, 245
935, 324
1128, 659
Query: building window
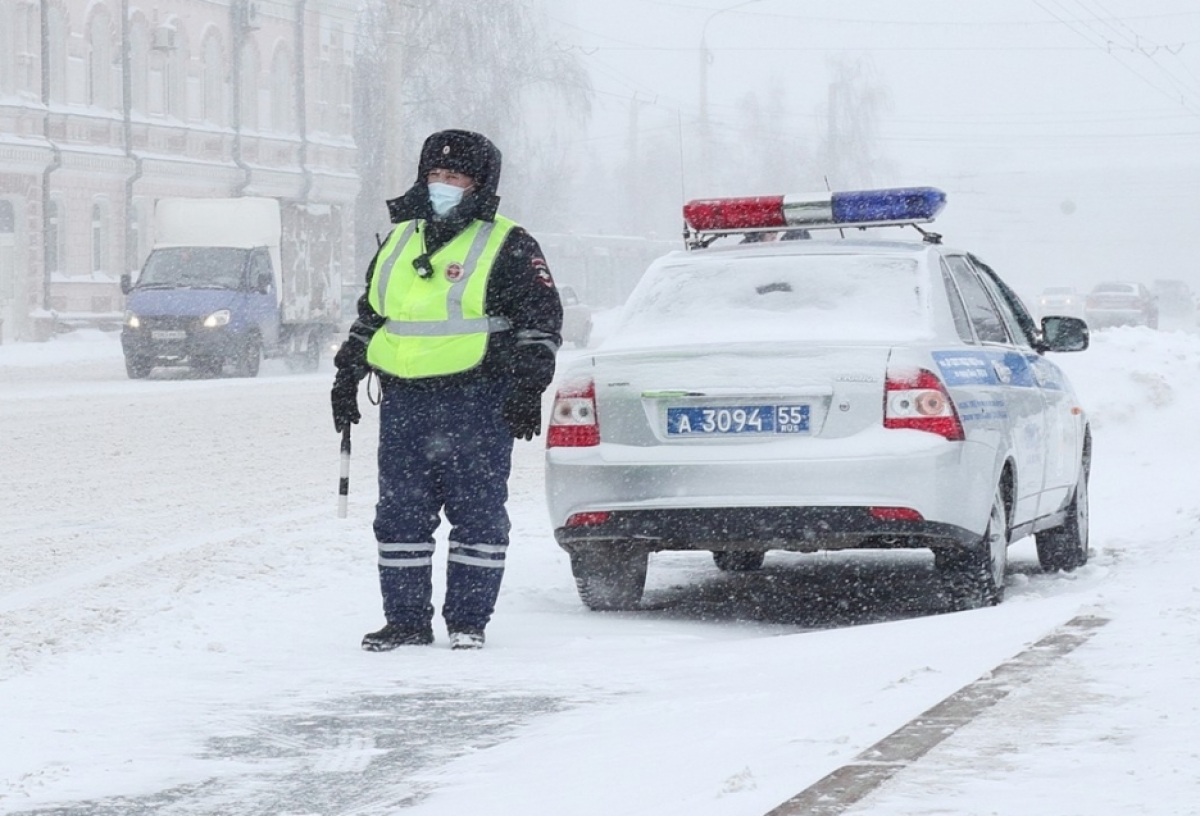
282, 92
55, 234
139, 64
214, 81
249, 89
7, 42
58, 55
8, 260
100, 237
100, 62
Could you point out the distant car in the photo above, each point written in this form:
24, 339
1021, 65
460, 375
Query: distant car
577, 318
819, 395
1060, 300
1175, 300
1121, 303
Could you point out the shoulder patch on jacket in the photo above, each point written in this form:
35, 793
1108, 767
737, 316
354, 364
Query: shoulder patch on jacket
542, 270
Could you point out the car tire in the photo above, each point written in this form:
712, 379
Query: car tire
610, 578
977, 573
1066, 547
137, 368
249, 358
738, 561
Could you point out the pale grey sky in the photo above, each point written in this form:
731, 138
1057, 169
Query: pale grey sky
1065, 131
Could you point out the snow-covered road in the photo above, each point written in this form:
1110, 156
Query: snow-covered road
180, 613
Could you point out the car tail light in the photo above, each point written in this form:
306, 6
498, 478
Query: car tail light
919, 401
588, 519
893, 514
573, 418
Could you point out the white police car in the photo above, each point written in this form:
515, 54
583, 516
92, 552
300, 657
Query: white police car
813, 395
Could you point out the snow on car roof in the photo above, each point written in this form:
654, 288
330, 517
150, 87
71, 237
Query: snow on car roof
828, 291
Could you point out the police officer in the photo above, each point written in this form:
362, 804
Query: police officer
461, 321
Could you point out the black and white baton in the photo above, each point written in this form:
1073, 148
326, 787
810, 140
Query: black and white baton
344, 481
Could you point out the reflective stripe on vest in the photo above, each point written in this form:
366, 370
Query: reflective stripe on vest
436, 325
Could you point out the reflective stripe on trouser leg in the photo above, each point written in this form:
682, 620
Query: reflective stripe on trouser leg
406, 582
473, 574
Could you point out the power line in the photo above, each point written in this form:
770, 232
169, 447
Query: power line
1136, 73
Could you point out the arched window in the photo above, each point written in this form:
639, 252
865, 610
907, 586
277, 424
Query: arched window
58, 32
7, 46
251, 67
100, 87
27, 31
213, 108
139, 63
55, 237
8, 230
176, 75
101, 243
282, 91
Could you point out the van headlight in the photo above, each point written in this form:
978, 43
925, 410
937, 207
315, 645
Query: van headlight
132, 321
217, 319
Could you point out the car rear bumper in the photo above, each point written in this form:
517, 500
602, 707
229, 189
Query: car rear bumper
801, 503
801, 529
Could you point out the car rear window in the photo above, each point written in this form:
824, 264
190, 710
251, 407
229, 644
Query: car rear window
1057, 290
1116, 288
776, 297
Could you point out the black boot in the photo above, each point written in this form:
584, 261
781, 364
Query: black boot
393, 635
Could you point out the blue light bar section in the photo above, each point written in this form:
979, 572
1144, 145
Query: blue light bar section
898, 204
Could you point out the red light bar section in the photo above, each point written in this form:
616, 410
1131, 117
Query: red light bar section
753, 212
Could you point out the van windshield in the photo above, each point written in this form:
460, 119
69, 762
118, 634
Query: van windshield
195, 268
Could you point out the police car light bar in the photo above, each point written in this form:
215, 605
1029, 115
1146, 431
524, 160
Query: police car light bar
866, 208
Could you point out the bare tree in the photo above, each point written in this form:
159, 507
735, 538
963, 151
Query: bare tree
850, 151
427, 65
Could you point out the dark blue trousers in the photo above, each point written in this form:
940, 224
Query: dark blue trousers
442, 450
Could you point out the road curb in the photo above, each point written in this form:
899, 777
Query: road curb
849, 784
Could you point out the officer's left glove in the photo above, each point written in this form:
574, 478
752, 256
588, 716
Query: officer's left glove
523, 413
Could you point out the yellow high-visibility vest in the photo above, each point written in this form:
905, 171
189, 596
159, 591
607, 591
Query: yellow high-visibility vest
436, 325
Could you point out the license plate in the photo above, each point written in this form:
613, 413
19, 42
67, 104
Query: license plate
172, 334
720, 420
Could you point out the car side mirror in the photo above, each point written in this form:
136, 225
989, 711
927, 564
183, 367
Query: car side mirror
1064, 334
126, 284
264, 282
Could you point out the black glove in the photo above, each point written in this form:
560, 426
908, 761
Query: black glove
345, 399
523, 413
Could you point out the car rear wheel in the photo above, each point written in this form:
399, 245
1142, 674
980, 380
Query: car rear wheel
1066, 547
978, 572
734, 561
610, 578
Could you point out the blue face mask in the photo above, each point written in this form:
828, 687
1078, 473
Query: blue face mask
444, 197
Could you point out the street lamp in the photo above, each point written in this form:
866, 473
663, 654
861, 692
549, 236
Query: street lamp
705, 59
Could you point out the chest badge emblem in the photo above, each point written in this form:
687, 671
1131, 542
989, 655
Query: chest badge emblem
454, 272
